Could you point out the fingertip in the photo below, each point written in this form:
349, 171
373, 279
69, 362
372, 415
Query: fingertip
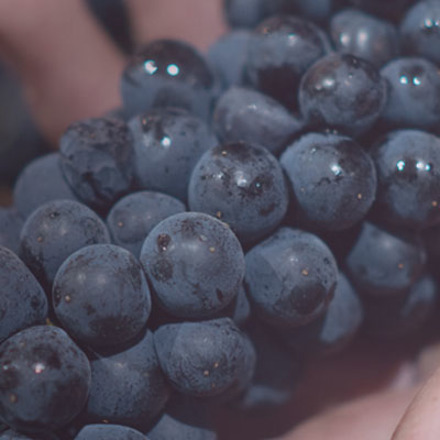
198, 22
421, 419
372, 417
68, 66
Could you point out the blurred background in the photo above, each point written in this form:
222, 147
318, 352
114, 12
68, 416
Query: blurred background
20, 140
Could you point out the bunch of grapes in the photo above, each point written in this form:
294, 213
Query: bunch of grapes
244, 212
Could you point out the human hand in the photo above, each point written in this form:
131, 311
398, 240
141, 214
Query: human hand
403, 408
371, 391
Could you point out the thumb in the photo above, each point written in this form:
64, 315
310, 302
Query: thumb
371, 417
421, 420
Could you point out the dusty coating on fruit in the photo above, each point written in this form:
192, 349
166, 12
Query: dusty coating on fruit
109, 432
189, 280
275, 276
23, 302
342, 92
364, 36
413, 93
243, 114
53, 232
128, 386
280, 51
10, 228
169, 73
249, 13
97, 160
385, 262
333, 180
45, 379
228, 55
408, 168
167, 144
101, 296
419, 30
41, 181
243, 185
277, 372
401, 315
334, 331
134, 216
205, 359
185, 418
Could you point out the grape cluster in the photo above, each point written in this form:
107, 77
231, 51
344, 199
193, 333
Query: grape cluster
243, 213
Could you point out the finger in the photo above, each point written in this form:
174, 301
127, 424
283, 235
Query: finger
373, 417
68, 66
421, 420
428, 361
366, 368
199, 22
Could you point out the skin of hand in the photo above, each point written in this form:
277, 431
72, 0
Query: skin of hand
70, 70
68, 67
365, 388
409, 413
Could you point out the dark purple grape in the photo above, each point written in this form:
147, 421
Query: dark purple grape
316, 10
249, 13
97, 159
247, 115
117, 113
243, 185
184, 419
343, 92
69, 431
333, 332
291, 278
280, 51
413, 93
241, 312
13, 435
382, 262
109, 432
404, 315
341, 242
168, 143
10, 228
23, 302
228, 56
420, 30
128, 387
391, 10
134, 216
333, 180
100, 295
205, 359
45, 379
194, 263
40, 181
431, 238
408, 171
53, 232
169, 73
277, 372
364, 36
